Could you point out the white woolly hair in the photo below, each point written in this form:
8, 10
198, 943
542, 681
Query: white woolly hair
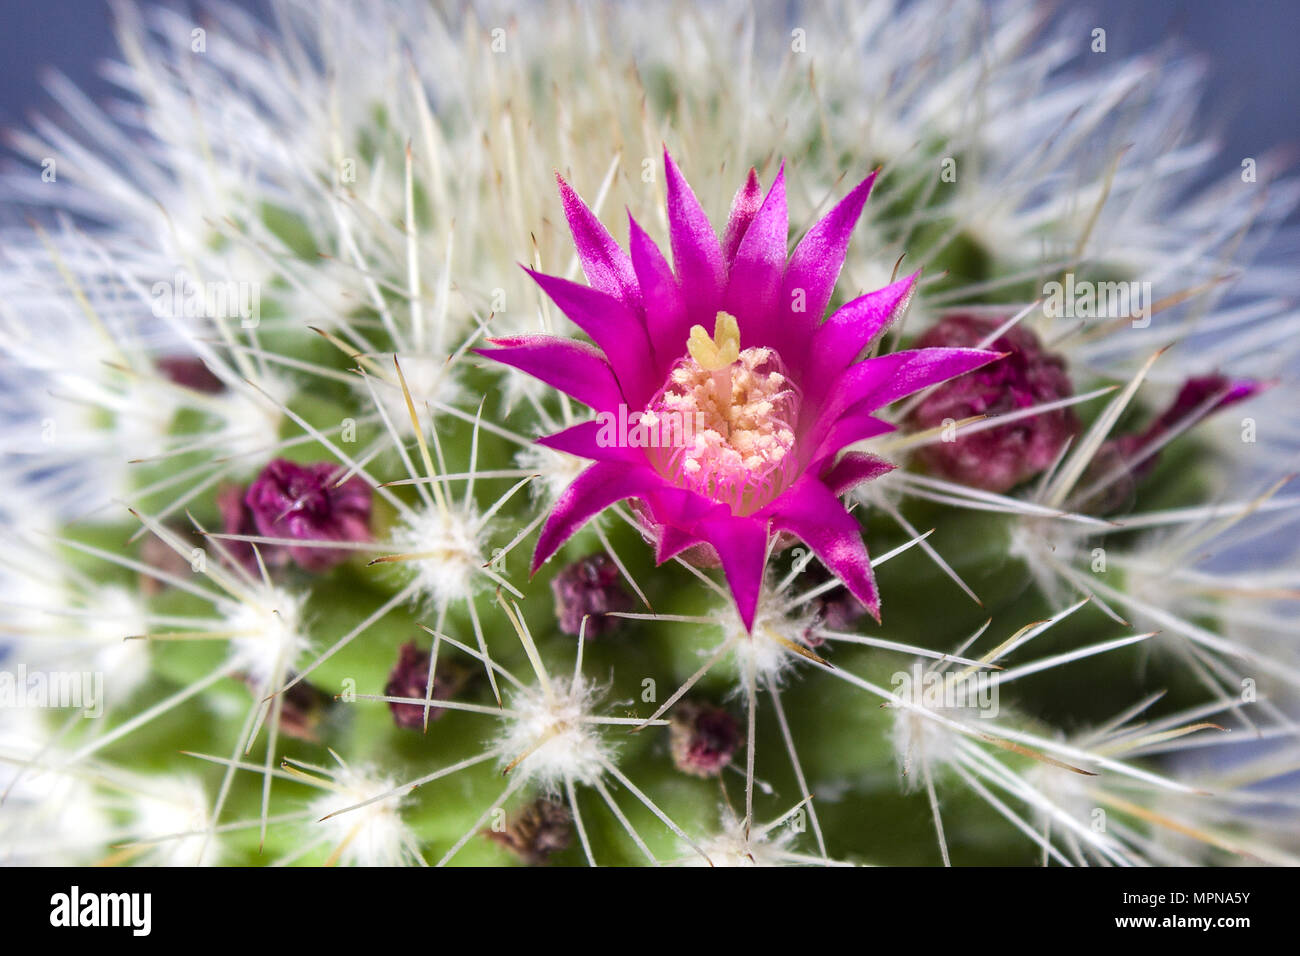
756, 648
372, 835
177, 807
551, 730
454, 536
276, 637
736, 844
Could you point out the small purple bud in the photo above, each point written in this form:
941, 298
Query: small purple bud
1198, 398
289, 500
540, 829
410, 678
999, 458
237, 518
702, 738
590, 586
1123, 460
303, 708
190, 372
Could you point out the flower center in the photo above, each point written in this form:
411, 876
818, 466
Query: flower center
738, 409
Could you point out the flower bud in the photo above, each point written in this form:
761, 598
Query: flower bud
703, 738
589, 587
833, 610
540, 829
237, 518
1197, 399
303, 707
410, 678
289, 500
190, 371
998, 458
1122, 461
162, 557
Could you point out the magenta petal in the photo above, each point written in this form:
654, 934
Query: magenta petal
853, 426
575, 368
743, 209
697, 254
816, 262
665, 309
840, 339
672, 542
606, 266
854, 469
926, 367
755, 281
877, 382
1243, 388
615, 329
831, 396
681, 508
741, 544
589, 494
810, 511
585, 440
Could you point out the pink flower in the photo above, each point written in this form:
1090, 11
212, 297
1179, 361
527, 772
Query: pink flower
288, 500
774, 393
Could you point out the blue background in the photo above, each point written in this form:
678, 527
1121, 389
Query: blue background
1251, 47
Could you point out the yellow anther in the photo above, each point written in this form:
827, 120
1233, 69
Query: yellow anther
720, 351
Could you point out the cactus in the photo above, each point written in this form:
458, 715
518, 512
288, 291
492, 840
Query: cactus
948, 527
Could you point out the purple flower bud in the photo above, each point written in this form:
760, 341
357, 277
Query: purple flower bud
541, 828
237, 518
998, 458
1123, 460
190, 372
702, 738
303, 707
289, 500
410, 678
1197, 399
590, 586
